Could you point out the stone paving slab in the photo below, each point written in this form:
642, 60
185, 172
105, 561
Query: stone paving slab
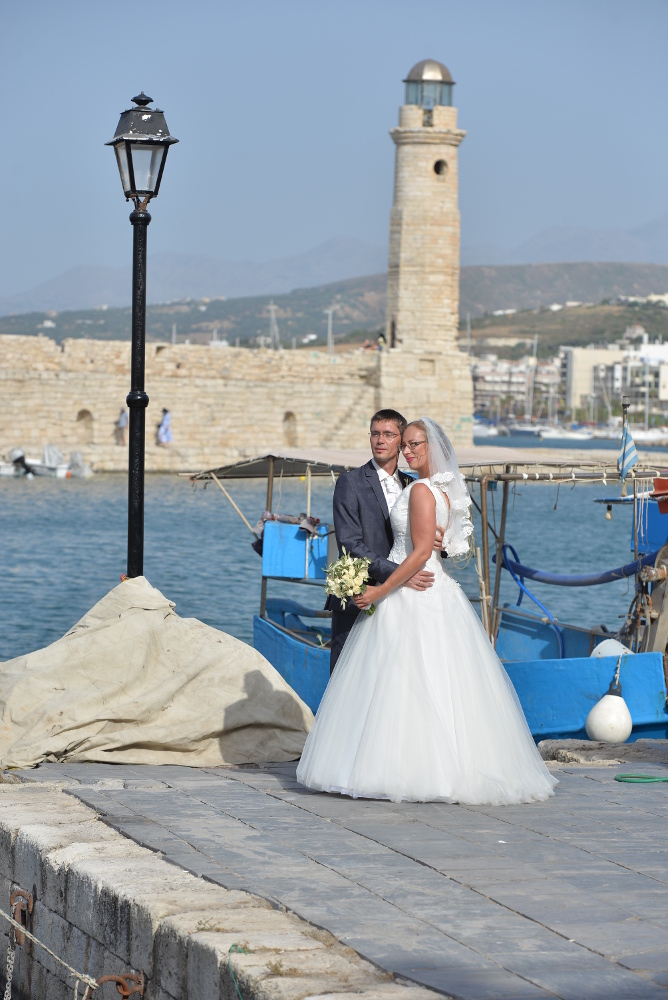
105, 906
567, 898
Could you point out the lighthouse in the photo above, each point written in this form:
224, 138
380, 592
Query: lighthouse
422, 369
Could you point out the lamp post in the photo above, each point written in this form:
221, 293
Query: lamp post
141, 143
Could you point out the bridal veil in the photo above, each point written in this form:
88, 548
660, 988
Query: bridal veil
444, 473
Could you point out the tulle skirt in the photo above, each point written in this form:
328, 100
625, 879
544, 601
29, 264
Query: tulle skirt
419, 708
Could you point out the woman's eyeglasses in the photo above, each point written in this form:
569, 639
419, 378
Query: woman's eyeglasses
412, 445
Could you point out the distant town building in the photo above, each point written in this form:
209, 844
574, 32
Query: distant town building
642, 300
580, 367
595, 378
503, 387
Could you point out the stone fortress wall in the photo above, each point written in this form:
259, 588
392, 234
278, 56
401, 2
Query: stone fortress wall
225, 403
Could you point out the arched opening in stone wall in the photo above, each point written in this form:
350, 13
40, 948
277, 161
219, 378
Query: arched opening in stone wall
290, 430
84, 427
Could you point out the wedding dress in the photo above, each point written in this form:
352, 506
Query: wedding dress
419, 707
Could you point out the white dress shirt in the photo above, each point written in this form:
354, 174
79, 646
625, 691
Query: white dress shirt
392, 486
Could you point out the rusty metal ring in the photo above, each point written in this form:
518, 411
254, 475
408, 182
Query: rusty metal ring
127, 984
20, 905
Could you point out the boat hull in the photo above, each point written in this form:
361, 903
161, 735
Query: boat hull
556, 694
304, 666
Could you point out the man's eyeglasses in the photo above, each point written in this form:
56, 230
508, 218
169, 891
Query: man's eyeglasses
384, 435
412, 445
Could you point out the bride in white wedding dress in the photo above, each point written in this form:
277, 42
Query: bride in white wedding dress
419, 707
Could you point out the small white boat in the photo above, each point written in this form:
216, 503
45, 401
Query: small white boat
51, 464
654, 436
481, 429
565, 434
607, 433
532, 430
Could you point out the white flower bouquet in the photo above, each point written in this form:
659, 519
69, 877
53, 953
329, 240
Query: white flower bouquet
347, 577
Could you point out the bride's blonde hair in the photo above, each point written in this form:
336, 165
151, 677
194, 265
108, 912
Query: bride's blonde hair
417, 423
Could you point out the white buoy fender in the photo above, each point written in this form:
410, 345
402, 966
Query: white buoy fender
610, 647
610, 720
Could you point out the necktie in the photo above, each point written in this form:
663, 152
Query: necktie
392, 491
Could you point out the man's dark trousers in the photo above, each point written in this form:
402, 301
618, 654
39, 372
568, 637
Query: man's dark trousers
342, 622
362, 526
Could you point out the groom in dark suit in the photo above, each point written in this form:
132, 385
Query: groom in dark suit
363, 499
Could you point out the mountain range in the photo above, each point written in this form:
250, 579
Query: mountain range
173, 276
646, 244
359, 308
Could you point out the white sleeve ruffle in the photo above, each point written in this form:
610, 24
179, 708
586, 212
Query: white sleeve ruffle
442, 480
460, 526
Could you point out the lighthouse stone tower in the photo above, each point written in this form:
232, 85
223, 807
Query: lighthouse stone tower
423, 371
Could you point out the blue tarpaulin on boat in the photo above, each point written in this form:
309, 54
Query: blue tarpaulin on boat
284, 551
525, 637
652, 528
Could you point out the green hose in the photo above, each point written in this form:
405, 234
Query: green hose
639, 779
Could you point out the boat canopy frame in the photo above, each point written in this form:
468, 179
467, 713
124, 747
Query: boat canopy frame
533, 470
284, 465
288, 464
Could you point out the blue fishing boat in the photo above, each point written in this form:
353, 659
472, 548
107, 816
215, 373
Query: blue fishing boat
556, 667
550, 662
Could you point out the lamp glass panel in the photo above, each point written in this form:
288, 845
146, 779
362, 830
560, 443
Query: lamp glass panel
413, 93
123, 169
446, 94
431, 94
146, 161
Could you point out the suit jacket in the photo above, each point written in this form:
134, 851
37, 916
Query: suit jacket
362, 524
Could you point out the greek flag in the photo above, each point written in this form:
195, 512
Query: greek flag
628, 456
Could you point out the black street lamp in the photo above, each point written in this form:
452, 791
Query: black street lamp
141, 143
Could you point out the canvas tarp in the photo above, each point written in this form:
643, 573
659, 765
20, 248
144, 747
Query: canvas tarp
134, 683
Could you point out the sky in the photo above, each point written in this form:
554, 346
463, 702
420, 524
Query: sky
282, 109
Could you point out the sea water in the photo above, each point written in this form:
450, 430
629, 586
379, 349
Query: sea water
63, 547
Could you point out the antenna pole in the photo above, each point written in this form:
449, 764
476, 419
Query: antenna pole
274, 336
533, 378
330, 336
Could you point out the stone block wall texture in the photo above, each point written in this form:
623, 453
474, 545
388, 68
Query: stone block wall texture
226, 403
